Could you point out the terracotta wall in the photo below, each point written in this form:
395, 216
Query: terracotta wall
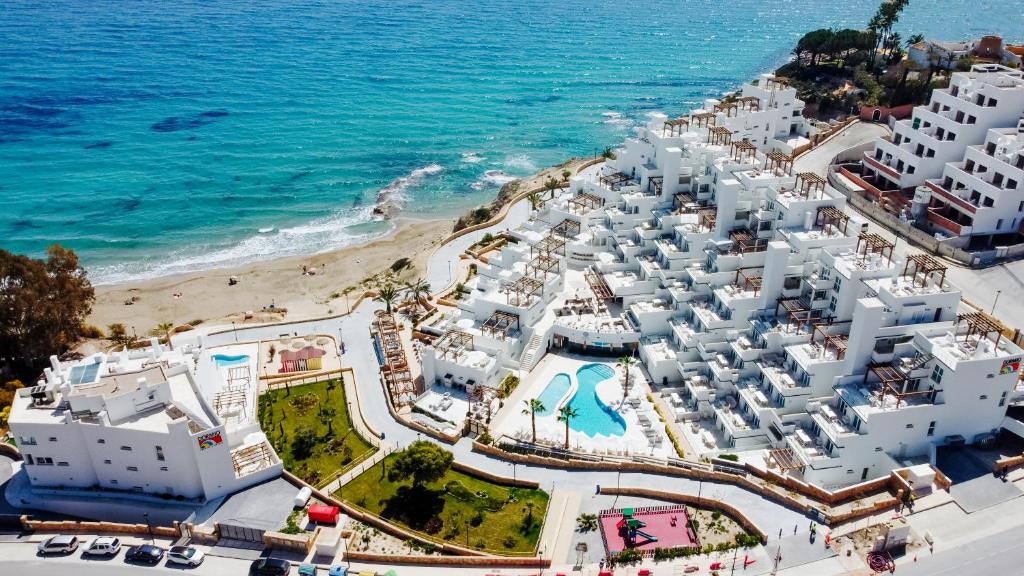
867, 113
462, 561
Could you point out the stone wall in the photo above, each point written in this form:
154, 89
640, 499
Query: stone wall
301, 543
64, 526
455, 561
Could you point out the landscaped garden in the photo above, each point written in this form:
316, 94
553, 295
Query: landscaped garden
416, 488
311, 430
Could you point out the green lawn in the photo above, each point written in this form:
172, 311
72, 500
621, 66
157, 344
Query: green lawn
329, 444
450, 507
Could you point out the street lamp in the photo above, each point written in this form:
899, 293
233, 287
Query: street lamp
149, 527
234, 330
993, 311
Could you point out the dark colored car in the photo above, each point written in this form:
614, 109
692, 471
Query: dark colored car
269, 567
145, 554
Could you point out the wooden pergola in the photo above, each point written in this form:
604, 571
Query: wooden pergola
598, 285
542, 265
923, 266
677, 126
752, 103
798, 310
613, 180
830, 215
775, 83
548, 245
743, 149
837, 342
256, 455
749, 281
873, 243
729, 107
719, 135
396, 371
500, 324
703, 118
981, 324
522, 290
744, 241
566, 228
778, 162
707, 218
583, 202
807, 183
655, 184
685, 203
454, 344
893, 381
785, 458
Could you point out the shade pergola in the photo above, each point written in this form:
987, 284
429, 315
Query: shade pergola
703, 118
923, 267
743, 149
719, 135
873, 243
778, 162
542, 265
838, 343
395, 370
251, 458
613, 180
730, 107
566, 228
807, 183
654, 184
798, 311
832, 216
548, 245
893, 381
454, 344
598, 285
707, 218
775, 83
744, 241
522, 290
500, 324
752, 103
749, 278
981, 324
785, 458
685, 203
583, 202
676, 126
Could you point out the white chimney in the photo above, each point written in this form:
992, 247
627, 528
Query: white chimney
154, 347
809, 220
55, 364
48, 373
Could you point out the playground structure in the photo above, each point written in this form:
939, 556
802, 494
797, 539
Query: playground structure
629, 528
646, 528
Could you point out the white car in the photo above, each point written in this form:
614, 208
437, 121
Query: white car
103, 546
60, 544
185, 555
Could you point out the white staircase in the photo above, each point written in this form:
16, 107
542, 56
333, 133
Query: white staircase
532, 352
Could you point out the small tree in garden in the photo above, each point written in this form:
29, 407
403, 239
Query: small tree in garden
422, 462
532, 407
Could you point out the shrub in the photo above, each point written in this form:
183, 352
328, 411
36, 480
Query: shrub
458, 491
485, 438
628, 557
401, 264
477, 519
510, 541
90, 331
433, 525
729, 457
716, 515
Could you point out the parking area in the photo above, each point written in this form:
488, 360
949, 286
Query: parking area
974, 486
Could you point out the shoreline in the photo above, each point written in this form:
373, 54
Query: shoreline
206, 295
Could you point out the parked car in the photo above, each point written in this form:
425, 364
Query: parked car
338, 570
60, 544
307, 570
103, 546
146, 554
269, 567
185, 556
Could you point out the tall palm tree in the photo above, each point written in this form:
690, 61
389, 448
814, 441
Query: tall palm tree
535, 200
566, 413
164, 329
551, 185
387, 293
416, 289
626, 363
533, 406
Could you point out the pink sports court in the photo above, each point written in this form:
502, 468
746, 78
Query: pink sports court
646, 528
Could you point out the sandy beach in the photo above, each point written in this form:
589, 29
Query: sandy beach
207, 296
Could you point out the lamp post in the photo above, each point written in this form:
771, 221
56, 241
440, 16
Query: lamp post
234, 330
993, 310
149, 527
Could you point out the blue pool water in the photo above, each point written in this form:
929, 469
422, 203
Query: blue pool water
229, 360
593, 417
160, 137
554, 392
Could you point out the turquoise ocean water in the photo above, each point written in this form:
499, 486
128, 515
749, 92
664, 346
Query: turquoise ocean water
160, 137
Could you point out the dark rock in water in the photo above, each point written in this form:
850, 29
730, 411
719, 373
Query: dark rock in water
97, 145
178, 123
214, 114
23, 224
129, 204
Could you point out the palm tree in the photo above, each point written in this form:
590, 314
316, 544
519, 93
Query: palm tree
117, 334
626, 363
164, 329
535, 200
416, 289
532, 407
551, 185
326, 416
608, 153
566, 413
388, 294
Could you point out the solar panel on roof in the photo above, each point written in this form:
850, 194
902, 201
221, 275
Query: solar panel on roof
84, 374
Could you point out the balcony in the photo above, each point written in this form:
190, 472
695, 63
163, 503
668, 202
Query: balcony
951, 197
752, 393
734, 421
937, 219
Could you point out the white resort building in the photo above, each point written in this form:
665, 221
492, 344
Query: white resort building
180, 423
766, 321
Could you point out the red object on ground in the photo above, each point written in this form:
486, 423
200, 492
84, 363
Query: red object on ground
644, 572
605, 573
324, 514
716, 566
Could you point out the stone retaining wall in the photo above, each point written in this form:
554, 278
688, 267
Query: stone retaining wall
459, 561
64, 526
